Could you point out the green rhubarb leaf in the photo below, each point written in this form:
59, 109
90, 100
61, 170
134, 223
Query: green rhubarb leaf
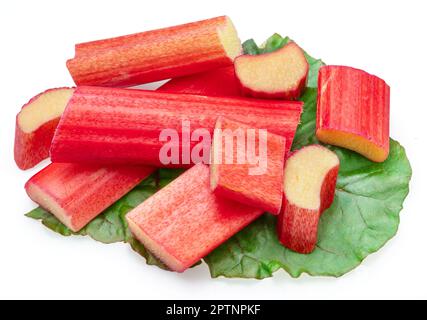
315, 65
165, 176
250, 47
276, 41
363, 217
273, 43
305, 134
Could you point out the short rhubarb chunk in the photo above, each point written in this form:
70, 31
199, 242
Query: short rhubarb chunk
76, 194
156, 55
124, 126
220, 82
185, 220
353, 111
247, 165
309, 188
36, 124
281, 74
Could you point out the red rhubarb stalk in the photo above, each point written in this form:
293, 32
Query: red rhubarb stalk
309, 188
36, 124
76, 194
353, 111
252, 171
156, 55
185, 221
121, 126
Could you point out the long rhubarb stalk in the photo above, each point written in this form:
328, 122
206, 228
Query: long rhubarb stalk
121, 126
36, 124
157, 54
185, 221
76, 194
353, 111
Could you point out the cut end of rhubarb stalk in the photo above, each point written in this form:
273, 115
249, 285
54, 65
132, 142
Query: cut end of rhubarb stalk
353, 142
279, 74
353, 110
305, 174
247, 165
229, 39
155, 248
36, 124
38, 195
43, 108
309, 187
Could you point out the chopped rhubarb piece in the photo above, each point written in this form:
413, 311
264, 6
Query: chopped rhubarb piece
121, 126
281, 74
156, 55
247, 165
36, 124
309, 188
353, 111
76, 194
219, 82
185, 220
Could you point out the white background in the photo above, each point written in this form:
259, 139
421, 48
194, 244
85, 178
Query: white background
386, 38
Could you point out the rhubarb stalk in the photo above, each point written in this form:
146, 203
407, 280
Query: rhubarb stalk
36, 124
122, 126
309, 188
76, 194
156, 55
185, 220
353, 111
247, 165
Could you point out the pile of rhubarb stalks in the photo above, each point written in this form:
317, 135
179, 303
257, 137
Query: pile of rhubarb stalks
103, 140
